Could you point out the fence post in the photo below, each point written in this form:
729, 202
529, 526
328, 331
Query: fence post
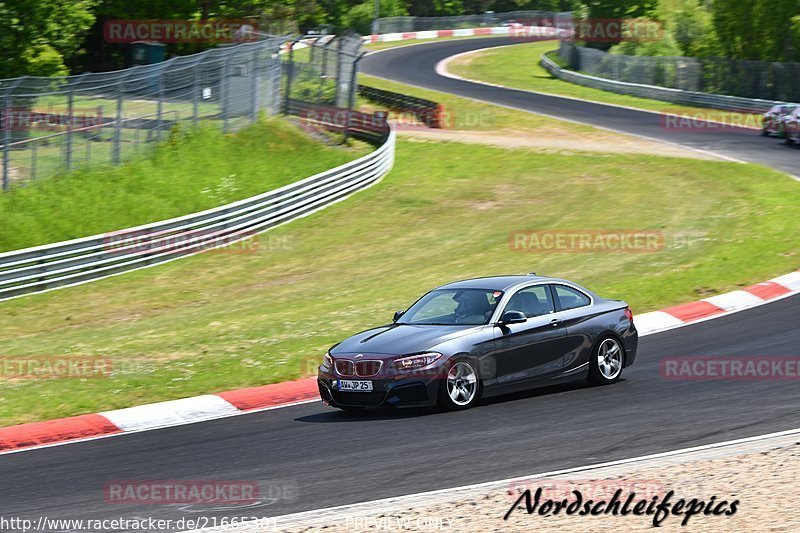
289, 76
198, 91
115, 146
7, 111
338, 100
160, 107
70, 113
33, 160
324, 74
223, 96
6, 138
351, 101
256, 84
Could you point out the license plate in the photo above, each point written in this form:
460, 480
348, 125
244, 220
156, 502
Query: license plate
355, 386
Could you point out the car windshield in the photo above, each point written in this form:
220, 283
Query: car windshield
449, 307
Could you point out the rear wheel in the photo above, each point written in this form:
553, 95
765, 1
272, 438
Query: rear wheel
605, 365
461, 386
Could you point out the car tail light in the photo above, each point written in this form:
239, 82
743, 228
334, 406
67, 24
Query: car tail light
629, 313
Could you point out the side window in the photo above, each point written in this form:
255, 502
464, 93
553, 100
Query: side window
569, 298
533, 301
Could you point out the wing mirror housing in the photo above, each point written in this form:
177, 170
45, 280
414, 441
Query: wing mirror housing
397, 315
513, 317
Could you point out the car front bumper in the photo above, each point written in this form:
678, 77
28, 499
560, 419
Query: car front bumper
407, 390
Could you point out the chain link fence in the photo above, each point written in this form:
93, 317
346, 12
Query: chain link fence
410, 24
748, 79
52, 125
323, 69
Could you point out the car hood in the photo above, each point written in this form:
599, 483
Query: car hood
401, 339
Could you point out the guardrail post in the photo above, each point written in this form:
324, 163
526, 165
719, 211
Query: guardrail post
68, 143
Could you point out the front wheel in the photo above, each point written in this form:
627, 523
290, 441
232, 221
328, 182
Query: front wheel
460, 388
605, 365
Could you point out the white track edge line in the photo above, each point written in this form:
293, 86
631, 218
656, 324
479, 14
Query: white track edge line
425, 497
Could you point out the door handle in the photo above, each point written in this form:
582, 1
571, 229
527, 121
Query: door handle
555, 322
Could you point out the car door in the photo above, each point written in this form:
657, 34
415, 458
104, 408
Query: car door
531, 350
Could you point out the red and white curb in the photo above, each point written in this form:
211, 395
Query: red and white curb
243, 401
157, 415
715, 306
517, 30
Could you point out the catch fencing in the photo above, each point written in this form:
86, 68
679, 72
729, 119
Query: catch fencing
54, 125
51, 125
764, 81
323, 69
674, 96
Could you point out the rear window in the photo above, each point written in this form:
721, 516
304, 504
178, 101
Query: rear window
570, 298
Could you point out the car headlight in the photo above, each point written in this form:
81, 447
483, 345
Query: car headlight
416, 361
327, 360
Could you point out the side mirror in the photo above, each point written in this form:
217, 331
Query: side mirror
513, 317
397, 315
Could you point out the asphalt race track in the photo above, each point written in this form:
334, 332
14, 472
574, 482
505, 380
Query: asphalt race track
327, 458
416, 65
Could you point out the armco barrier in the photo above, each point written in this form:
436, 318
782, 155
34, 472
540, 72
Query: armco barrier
653, 92
426, 111
78, 261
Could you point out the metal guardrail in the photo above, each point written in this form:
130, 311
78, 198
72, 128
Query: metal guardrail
426, 111
91, 258
488, 19
653, 92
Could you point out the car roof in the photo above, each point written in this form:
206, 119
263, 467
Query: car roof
495, 283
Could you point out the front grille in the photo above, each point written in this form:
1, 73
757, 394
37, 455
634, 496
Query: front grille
368, 368
344, 367
364, 399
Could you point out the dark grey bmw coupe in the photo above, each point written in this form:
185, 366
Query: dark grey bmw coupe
479, 338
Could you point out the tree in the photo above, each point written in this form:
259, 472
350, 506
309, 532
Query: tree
37, 37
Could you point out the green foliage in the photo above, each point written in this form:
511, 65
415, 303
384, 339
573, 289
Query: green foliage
360, 17
37, 36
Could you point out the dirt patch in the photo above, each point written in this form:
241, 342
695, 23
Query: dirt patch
556, 141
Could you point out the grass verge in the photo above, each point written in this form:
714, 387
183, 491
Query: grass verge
192, 171
214, 322
518, 67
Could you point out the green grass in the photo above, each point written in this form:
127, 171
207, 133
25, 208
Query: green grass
465, 114
215, 322
193, 170
518, 67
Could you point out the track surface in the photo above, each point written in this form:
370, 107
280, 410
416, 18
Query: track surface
331, 458
416, 65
